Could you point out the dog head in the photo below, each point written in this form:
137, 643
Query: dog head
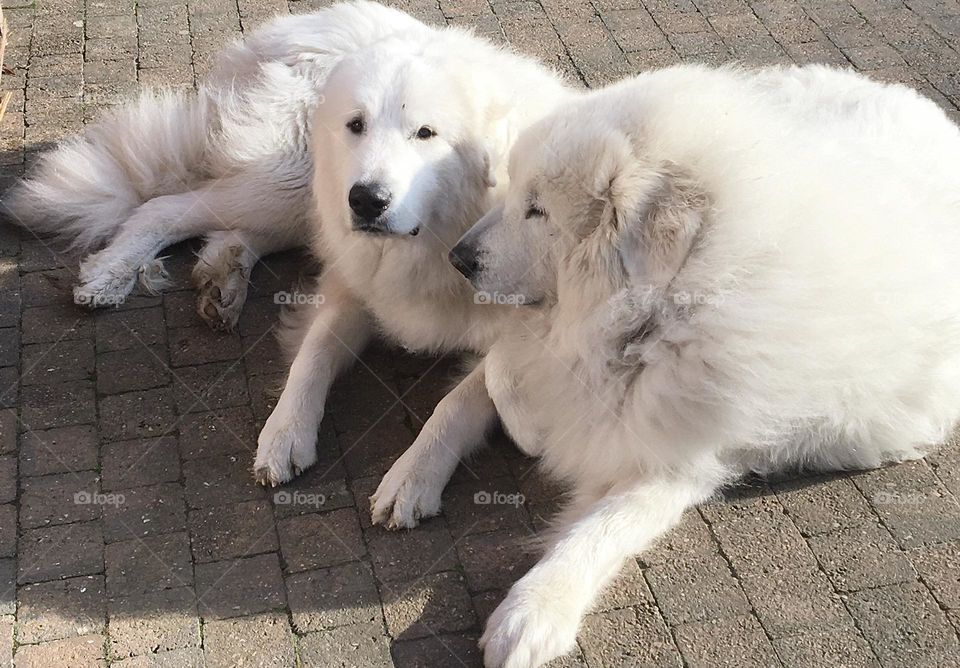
588, 208
407, 137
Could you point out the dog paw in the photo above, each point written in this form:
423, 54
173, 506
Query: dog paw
528, 629
104, 288
405, 496
283, 452
222, 291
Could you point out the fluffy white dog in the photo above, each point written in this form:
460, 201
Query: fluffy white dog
733, 272
231, 162
400, 131
235, 162
409, 150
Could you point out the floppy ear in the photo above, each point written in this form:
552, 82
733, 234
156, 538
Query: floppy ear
657, 213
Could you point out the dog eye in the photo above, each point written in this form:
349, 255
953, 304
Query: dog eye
534, 212
356, 126
426, 132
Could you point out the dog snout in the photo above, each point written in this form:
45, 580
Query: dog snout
466, 260
368, 200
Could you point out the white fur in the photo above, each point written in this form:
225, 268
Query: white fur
736, 271
234, 157
477, 97
236, 163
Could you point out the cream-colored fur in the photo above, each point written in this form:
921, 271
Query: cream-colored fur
733, 271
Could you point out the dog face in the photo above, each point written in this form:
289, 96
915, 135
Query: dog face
402, 137
584, 202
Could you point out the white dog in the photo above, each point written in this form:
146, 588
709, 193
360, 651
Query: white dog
408, 148
733, 272
231, 162
402, 129
234, 162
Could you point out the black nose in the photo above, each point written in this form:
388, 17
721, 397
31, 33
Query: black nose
368, 200
466, 260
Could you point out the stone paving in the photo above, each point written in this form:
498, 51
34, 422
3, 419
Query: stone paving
131, 533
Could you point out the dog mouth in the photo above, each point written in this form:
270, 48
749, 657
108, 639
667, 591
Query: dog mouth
379, 227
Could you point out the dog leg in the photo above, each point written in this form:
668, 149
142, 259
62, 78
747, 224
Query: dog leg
412, 487
222, 274
240, 202
539, 618
337, 334
109, 275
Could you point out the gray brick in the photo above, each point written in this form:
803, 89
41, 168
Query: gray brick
79, 651
822, 504
8, 586
139, 462
939, 567
690, 590
8, 530
61, 609
49, 406
141, 414
795, 601
333, 597
210, 387
160, 621
761, 539
141, 566
318, 540
45, 364
8, 479
441, 650
627, 638
262, 640
861, 557
493, 560
60, 552
138, 368
903, 624
735, 642
839, 648
628, 589
145, 511
229, 431
347, 646
240, 587
216, 481
59, 499
237, 530
432, 604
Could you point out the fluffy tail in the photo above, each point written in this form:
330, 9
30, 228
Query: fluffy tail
83, 190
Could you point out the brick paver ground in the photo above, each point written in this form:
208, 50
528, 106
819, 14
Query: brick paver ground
131, 533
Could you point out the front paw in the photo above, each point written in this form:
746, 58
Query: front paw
284, 450
532, 626
407, 494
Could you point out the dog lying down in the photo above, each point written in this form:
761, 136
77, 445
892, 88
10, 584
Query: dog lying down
731, 272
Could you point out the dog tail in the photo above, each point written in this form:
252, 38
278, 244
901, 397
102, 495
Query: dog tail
83, 190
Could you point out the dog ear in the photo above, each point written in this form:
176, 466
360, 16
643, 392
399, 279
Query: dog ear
657, 214
497, 142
